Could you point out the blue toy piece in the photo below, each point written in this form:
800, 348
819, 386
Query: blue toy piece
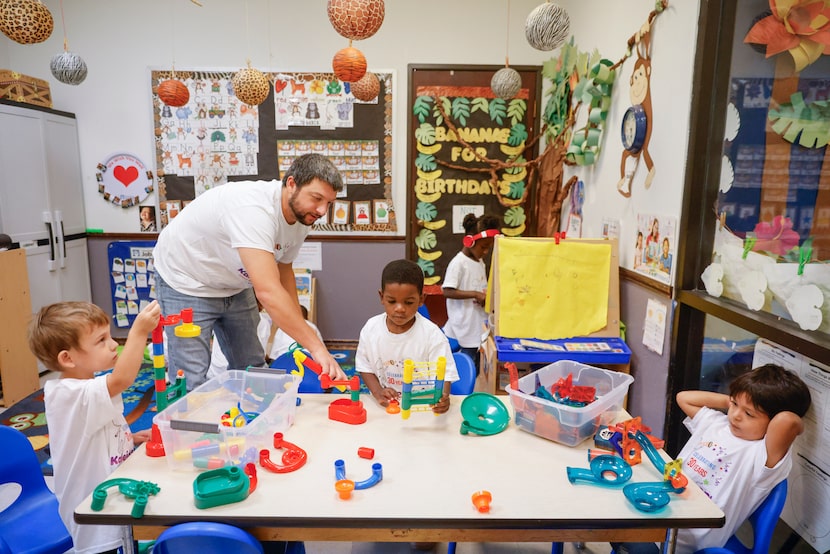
374, 479
606, 470
649, 497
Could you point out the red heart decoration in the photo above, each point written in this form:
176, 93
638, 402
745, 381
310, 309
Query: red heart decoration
125, 174
279, 85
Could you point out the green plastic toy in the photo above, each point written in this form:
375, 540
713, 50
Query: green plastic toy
140, 491
224, 485
483, 414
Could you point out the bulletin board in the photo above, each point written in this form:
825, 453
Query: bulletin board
132, 279
446, 179
215, 138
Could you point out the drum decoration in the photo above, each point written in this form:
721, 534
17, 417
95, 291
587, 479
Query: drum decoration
251, 86
68, 68
547, 26
349, 64
356, 19
506, 83
173, 92
25, 21
367, 88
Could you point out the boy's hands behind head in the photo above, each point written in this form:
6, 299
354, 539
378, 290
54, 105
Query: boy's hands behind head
148, 318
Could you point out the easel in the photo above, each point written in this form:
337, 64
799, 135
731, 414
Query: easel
494, 359
18, 366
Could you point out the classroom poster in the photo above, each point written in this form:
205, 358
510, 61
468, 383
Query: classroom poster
655, 244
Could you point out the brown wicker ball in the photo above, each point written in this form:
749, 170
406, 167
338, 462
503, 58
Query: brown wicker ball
367, 88
349, 64
506, 83
251, 86
25, 21
356, 19
173, 93
547, 26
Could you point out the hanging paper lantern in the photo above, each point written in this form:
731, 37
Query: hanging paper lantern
25, 21
506, 83
547, 26
173, 93
367, 88
356, 19
251, 86
349, 64
68, 68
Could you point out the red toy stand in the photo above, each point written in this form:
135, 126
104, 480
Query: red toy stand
347, 411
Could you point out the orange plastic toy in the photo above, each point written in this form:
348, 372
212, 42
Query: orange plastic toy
481, 500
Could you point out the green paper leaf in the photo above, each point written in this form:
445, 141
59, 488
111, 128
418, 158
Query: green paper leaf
425, 240
461, 109
479, 104
426, 211
426, 162
436, 113
516, 109
516, 169
498, 110
517, 189
422, 107
425, 133
514, 216
426, 266
518, 134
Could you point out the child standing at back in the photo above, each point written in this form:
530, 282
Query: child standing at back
737, 457
465, 285
399, 334
88, 435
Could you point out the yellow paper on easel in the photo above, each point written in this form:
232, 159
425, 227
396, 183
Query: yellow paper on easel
552, 291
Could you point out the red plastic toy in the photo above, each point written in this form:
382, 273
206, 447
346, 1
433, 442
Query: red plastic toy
293, 458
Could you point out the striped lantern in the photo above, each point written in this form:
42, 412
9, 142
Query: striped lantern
506, 83
356, 19
349, 64
68, 68
251, 86
25, 21
547, 26
173, 93
367, 88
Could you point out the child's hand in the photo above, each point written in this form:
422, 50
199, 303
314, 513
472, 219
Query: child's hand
481, 298
442, 406
386, 395
141, 436
148, 318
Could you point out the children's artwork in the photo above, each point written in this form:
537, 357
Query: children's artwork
380, 210
654, 246
340, 213
124, 180
362, 212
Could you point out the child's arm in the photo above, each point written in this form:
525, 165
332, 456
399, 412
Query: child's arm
691, 401
457, 294
444, 404
781, 432
382, 394
129, 362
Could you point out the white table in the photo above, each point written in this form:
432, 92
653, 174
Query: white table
430, 472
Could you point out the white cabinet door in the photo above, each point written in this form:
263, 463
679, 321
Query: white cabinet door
63, 171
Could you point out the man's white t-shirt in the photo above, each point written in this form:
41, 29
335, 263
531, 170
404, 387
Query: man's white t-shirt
465, 317
731, 471
196, 253
383, 353
88, 439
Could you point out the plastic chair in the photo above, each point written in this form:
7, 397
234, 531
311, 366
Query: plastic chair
310, 382
763, 521
206, 537
466, 374
35, 508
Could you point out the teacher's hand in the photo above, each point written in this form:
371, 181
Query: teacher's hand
328, 364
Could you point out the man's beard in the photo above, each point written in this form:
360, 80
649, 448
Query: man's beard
300, 216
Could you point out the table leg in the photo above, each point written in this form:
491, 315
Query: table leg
671, 540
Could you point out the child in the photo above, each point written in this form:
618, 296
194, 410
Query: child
652, 241
401, 333
638, 250
465, 285
88, 434
665, 257
738, 457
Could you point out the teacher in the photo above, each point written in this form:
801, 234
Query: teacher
230, 241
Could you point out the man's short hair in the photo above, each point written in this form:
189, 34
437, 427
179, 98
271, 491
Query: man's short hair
308, 167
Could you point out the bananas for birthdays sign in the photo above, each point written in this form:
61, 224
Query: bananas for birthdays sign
457, 124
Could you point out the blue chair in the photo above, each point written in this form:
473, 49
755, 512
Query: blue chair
466, 374
763, 521
35, 508
310, 382
206, 537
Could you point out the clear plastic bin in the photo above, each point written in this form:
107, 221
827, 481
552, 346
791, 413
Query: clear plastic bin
569, 425
192, 430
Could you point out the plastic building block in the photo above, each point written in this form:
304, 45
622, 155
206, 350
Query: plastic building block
293, 458
606, 471
371, 481
365, 452
140, 491
220, 486
428, 373
483, 414
481, 500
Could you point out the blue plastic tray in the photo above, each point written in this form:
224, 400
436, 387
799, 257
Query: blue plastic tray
588, 350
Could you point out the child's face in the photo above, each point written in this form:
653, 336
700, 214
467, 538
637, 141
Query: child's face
745, 420
96, 351
482, 247
665, 248
400, 302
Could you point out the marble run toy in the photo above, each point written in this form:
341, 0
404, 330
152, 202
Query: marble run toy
304, 362
349, 410
293, 458
220, 486
481, 500
139, 491
427, 373
344, 487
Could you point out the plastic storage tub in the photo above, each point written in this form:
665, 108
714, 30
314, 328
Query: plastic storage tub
191, 428
568, 425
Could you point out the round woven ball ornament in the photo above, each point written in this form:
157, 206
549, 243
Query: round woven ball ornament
547, 26
506, 83
349, 64
25, 21
367, 88
356, 19
173, 93
251, 86
68, 68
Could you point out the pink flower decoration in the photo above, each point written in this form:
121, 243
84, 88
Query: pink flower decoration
777, 238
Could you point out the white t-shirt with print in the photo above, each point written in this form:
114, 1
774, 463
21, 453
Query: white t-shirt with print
465, 317
196, 253
88, 439
383, 353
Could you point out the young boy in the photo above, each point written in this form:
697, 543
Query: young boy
401, 333
737, 457
88, 434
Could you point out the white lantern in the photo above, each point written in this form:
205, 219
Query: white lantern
506, 83
547, 26
68, 68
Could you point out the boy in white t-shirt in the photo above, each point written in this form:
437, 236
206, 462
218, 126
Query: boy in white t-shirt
88, 435
401, 333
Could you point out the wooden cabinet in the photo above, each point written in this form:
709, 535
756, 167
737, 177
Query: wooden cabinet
18, 366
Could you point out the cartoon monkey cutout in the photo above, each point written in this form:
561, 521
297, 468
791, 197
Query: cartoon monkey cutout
637, 120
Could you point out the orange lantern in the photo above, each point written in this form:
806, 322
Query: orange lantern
173, 93
25, 21
349, 64
356, 19
367, 88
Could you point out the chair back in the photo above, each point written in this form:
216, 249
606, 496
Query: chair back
763, 521
466, 374
310, 382
206, 537
36, 507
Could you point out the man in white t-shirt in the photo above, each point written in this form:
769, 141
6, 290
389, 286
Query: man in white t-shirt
231, 240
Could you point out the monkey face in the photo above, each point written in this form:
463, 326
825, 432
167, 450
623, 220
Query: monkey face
639, 82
